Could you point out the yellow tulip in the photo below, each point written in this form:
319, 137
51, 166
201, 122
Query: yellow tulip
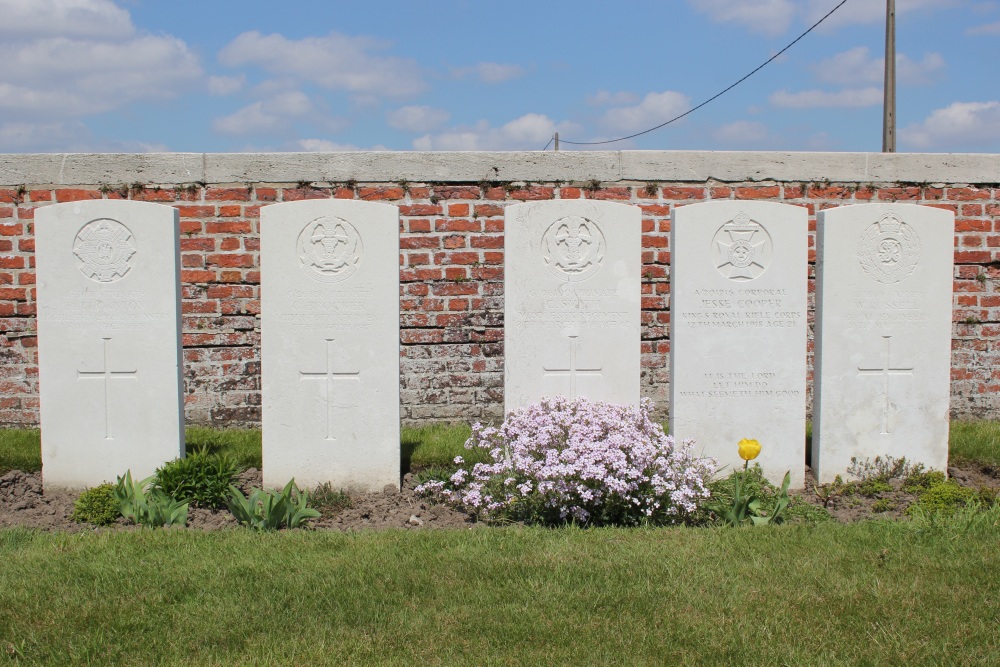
749, 449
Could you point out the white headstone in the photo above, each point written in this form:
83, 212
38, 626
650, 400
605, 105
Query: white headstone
109, 343
571, 301
883, 335
739, 281
330, 344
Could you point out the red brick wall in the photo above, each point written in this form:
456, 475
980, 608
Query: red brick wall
451, 293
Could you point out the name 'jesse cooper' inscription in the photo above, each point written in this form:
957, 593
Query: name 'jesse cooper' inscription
740, 309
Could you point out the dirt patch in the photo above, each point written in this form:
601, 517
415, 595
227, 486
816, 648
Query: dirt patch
22, 503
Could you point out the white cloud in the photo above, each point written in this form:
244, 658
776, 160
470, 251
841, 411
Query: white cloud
811, 99
858, 65
985, 29
741, 133
91, 59
529, 132
336, 62
489, 72
274, 114
960, 125
225, 85
604, 97
417, 118
93, 19
774, 17
771, 17
655, 108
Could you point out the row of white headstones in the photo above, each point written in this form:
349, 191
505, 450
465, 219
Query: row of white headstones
110, 353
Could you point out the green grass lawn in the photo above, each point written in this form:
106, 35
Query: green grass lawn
875, 593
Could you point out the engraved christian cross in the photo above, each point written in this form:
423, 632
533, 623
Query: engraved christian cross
885, 371
329, 376
106, 375
572, 371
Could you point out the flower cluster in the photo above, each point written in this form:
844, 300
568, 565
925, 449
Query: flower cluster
589, 462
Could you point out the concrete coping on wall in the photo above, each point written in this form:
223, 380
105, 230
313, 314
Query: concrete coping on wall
473, 167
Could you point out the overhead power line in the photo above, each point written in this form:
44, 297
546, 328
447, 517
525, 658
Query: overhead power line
711, 99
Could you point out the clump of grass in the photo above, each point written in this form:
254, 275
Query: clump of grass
943, 498
437, 445
329, 501
199, 478
243, 445
975, 441
20, 449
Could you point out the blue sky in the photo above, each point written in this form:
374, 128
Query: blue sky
222, 76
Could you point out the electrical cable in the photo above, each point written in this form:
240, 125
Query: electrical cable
711, 99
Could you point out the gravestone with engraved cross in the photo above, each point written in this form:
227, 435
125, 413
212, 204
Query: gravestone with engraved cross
571, 301
330, 344
738, 331
109, 345
883, 335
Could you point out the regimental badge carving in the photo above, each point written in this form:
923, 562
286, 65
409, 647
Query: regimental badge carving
573, 248
889, 250
330, 249
105, 247
741, 249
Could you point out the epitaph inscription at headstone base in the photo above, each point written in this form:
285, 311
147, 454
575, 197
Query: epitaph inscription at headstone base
109, 343
571, 301
739, 273
330, 344
884, 277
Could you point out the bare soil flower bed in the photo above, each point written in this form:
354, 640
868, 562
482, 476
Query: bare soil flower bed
22, 503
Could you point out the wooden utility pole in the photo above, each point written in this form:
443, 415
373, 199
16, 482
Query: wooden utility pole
889, 103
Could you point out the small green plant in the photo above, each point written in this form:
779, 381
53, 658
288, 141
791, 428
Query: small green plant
97, 506
329, 501
268, 509
943, 498
144, 505
883, 505
651, 188
828, 493
883, 469
871, 488
200, 479
745, 505
921, 481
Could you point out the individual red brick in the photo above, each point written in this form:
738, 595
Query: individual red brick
414, 242
190, 227
229, 244
457, 225
193, 260
11, 229
492, 257
154, 195
228, 194
656, 210
197, 243
420, 209
488, 210
265, 194
864, 193
792, 191
968, 194
299, 194
971, 241
454, 241
910, 193
458, 210
25, 213
70, 194
230, 211
381, 193
343, 193
26, 245
457, 192
26, 278
972, 256
649, 241
229, 227
495, 193
648, 225
455, 273
230, 277
11, 262
759, 192
419, 225
197, 276
720, 192
487, 273
6, 212
196, 211
966, 225
486, 241
609, 194
933, 194
493, 225
533, 193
